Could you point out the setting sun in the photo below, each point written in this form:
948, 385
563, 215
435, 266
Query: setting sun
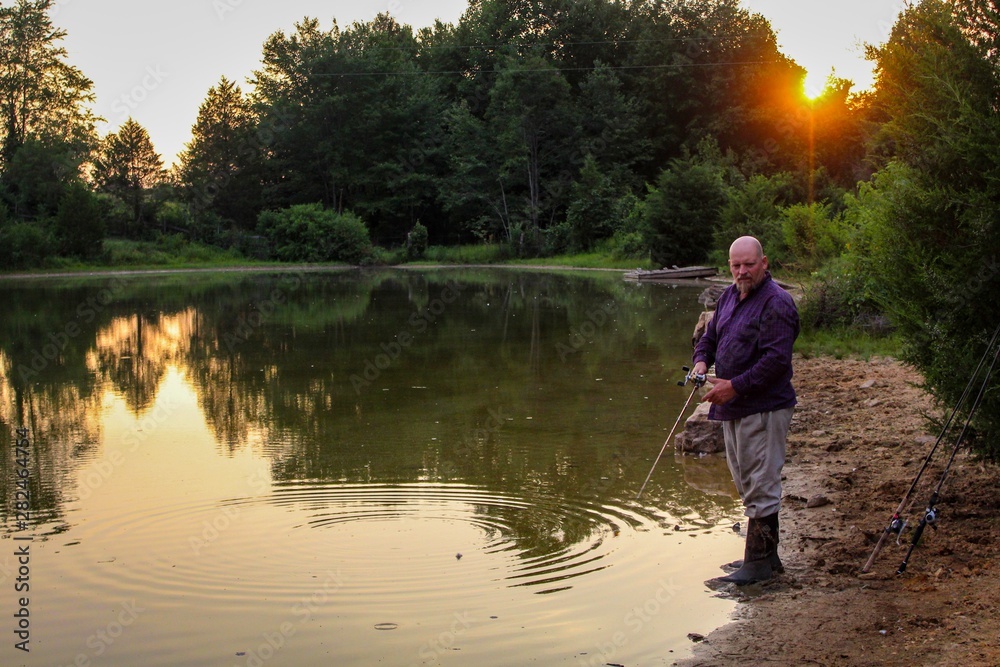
813, 85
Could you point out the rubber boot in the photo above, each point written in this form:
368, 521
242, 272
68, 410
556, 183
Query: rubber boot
776, 564
760, 545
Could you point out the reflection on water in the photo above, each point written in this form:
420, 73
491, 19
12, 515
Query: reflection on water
406, 467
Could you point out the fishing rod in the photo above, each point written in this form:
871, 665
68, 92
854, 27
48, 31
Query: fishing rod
931, 513
896, 523
698, 380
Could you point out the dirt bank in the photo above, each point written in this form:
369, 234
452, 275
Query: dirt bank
860, 445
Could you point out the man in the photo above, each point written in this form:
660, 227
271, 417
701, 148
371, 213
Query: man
750, 342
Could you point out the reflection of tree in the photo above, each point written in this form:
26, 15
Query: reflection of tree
62, 426
133, 353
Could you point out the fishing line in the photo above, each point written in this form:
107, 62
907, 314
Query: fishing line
896, 523
931, 513
698, 381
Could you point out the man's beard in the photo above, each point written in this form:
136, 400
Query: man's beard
744, 287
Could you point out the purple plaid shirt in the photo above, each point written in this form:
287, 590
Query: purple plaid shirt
750, 342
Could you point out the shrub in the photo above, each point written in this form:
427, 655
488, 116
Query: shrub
309, 233
416, 242
25, 245
813, 234
682, 212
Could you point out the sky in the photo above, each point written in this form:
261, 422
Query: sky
155, 61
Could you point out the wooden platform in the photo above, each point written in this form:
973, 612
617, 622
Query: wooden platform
673, 273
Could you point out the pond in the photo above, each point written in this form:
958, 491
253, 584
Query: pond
395, 467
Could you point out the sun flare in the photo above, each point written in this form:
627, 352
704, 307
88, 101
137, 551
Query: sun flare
813, 85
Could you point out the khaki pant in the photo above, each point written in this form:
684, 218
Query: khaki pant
755, 452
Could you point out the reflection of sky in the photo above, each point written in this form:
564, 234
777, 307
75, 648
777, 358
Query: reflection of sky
167, 449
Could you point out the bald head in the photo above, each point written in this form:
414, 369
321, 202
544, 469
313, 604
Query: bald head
747, 263
746, 244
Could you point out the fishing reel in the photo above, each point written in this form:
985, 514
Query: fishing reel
897, 526
698, 379
931, 517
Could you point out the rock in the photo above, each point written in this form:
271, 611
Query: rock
818, 434
710, 296
818, 501
696, 637
701, 326
867, 385
701, 435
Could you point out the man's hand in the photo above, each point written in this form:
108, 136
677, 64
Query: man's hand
721, 392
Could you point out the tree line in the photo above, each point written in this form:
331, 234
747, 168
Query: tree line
657, 130
542, 126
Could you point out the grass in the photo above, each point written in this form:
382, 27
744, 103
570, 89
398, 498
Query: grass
500, 254
845, 341
464, 254
591, 260
165, 253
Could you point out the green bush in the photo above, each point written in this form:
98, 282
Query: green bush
813, 234
25, 245
839, 298
416, 242
682, 212
309, 233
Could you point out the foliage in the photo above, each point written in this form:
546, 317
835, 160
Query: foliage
310, 233
480, 253
929, 226
593, 213
25, 244
813, 234
172, 216
756, 209
79, 225
37, 176
416, 242
42, 97
847, 342
166, 251
221, 167
127, 166
839, 296
682, 212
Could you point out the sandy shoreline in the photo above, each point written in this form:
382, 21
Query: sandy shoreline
860, 447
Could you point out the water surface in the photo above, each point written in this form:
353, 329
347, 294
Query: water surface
356, 468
